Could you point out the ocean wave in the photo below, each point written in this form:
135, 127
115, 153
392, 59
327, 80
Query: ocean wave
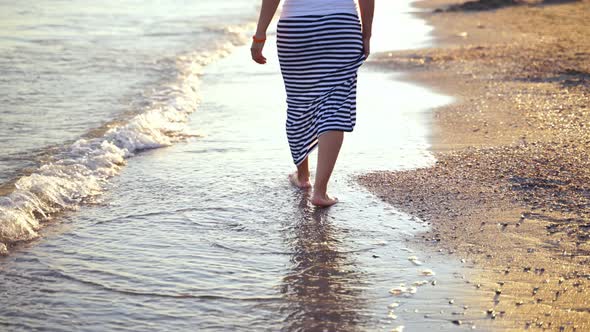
78, 172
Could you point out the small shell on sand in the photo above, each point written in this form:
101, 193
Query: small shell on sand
427, 272
394, 305
414, 260
399, 290
402, 289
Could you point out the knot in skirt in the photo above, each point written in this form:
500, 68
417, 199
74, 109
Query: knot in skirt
319, 56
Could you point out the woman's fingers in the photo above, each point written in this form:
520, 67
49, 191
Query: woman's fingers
256, 51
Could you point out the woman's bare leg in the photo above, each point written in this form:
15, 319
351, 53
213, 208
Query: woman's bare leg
328, 149
300, 178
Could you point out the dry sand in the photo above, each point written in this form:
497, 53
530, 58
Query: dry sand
511, 188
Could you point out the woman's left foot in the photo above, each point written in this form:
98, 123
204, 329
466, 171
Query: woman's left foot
299, 183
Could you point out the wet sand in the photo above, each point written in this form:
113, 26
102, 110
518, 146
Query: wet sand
510, 191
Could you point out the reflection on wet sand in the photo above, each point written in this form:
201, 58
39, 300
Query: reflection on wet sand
323, 287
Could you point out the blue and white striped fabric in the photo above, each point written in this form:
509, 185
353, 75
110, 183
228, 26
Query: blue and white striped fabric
319, 57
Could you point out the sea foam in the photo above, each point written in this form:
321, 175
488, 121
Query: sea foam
79, 172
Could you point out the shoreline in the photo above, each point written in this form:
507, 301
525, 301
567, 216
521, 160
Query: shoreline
509, 191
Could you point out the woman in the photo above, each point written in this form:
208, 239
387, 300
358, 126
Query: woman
321, 44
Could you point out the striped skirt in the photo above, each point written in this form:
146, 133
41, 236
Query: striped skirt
319, 57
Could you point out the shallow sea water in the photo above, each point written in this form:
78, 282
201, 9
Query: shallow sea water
207, 234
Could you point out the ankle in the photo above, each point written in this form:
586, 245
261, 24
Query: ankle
319, 193
302, 175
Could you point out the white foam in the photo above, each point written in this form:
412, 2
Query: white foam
80, 171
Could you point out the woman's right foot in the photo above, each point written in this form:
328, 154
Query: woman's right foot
323, 200
298, 182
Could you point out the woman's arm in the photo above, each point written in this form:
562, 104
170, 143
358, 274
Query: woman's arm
367, 8
267, 12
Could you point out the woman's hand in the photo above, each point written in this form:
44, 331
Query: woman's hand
267, 11
367, 8
256, 50
367, 46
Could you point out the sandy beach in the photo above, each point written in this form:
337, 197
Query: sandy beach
510, 191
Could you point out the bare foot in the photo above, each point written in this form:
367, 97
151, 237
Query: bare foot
323, 201
299, 183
